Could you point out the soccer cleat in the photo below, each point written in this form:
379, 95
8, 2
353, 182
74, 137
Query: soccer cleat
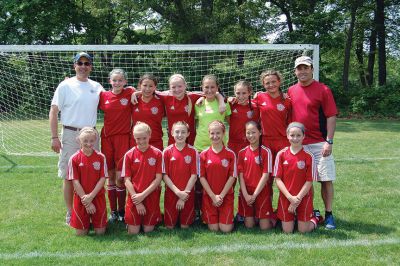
239, 218
113, 217
121, 216
330, 222
68, 218
318, 215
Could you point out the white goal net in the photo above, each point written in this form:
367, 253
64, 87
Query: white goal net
30, 74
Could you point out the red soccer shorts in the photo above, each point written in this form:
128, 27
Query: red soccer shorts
114, 148
222, 214
171, 214
80, 219
304, 211
261, 208
153, 213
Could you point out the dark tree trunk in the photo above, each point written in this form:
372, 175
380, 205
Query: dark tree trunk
380, 28
346, 65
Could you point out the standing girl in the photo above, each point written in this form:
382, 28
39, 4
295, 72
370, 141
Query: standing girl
149, 110
87, 170
180, 174
217, 175
254, 168
275, 111
243, 110
294, 173
208, 111
142, 172
115, 137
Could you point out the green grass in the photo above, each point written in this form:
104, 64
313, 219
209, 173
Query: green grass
367, 192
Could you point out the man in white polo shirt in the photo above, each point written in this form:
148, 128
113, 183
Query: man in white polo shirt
77, 99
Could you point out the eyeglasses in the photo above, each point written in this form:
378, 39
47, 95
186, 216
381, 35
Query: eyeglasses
79, 63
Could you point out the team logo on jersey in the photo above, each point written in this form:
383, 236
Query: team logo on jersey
173, 158
245, 158
264, 104
209, 161
188, 159
81, 164
234, 111
96, 165
186, 108
301, 164
137, 110
154, 110
137, 160
124, 101
280, 107
172, 107
208, 110
257, 159
225, 163
285, 162
152, 161
249, 114
92, 91
107, 102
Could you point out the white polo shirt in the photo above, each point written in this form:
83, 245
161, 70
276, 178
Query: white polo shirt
77, 102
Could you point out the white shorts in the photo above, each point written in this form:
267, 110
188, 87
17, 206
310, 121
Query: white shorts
326, 165
69, 145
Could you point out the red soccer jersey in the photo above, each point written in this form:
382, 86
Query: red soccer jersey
178, 110
117, 112
240, 115
142, 167
152, 114
217, 168
295, 169
180, 165
252, 167
275, 115
87, 169
311, 106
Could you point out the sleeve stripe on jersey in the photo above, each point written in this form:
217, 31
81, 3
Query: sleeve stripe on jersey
277, 161
269, 155
314, 171
70, 173
234, 162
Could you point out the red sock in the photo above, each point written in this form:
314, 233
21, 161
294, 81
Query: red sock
121, 196
112, 197
315, 221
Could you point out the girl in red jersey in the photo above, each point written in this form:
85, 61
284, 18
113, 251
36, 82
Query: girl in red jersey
217, 175
87, 170
294, 172
180, 174
275, 111
242, 111
142, 172
149, 109
115, 137
254, 168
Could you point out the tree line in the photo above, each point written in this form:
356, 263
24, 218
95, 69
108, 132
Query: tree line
359, 40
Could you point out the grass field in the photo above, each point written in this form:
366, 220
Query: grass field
32, 229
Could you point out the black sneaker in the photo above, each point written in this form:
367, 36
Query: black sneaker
113, 217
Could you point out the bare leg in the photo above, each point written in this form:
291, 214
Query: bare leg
68, 190
148, 228
80, 232
266, 224
305, 227
249, 222
327, 194
213, 227
100, 231
226, 228
288, 227
133, 229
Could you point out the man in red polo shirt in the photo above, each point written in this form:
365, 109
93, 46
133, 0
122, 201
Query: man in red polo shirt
314, 106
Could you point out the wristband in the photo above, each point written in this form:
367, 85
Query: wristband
330, 141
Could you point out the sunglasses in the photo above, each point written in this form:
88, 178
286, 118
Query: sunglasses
79, 63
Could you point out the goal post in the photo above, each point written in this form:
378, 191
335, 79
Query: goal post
29, 75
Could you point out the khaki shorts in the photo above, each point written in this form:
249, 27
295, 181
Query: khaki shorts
326, 165
70, 145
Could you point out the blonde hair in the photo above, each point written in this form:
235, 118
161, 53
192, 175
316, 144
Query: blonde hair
87, 131
180, 76
216, 123
140, 126
118, 71
180, 123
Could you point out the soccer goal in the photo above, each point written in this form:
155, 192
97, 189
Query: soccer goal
30, 74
